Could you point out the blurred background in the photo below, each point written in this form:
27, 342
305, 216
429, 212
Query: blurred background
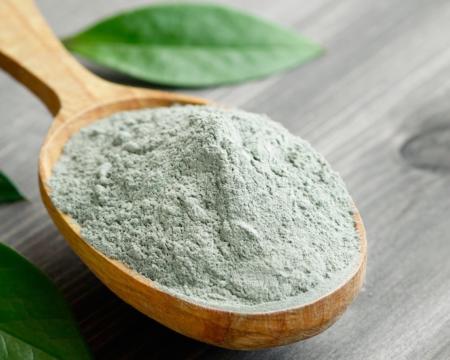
376, 105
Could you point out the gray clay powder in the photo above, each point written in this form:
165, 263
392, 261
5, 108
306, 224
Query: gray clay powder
222, 207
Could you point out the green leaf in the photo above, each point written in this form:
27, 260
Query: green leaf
191, 45
8, 192
35, 322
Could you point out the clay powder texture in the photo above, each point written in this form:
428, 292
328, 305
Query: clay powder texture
222, 207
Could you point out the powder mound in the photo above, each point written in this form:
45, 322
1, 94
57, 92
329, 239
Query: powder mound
224, 207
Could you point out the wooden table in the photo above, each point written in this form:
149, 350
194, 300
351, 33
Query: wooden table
377, 105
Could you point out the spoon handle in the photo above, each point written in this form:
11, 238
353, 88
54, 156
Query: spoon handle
32, 54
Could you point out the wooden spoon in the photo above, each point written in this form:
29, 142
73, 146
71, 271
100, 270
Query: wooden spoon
30, 52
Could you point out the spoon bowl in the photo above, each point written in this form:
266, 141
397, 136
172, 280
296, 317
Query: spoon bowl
77, 98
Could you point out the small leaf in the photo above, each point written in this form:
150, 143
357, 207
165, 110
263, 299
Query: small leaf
191, 45
8, 192
35, 322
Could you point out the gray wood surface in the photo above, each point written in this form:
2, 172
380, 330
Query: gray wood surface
377, 105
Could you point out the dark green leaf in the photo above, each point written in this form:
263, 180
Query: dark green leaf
8, 192
191, 45
35, 322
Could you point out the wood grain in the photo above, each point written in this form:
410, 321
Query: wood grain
77, 98
384, 80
